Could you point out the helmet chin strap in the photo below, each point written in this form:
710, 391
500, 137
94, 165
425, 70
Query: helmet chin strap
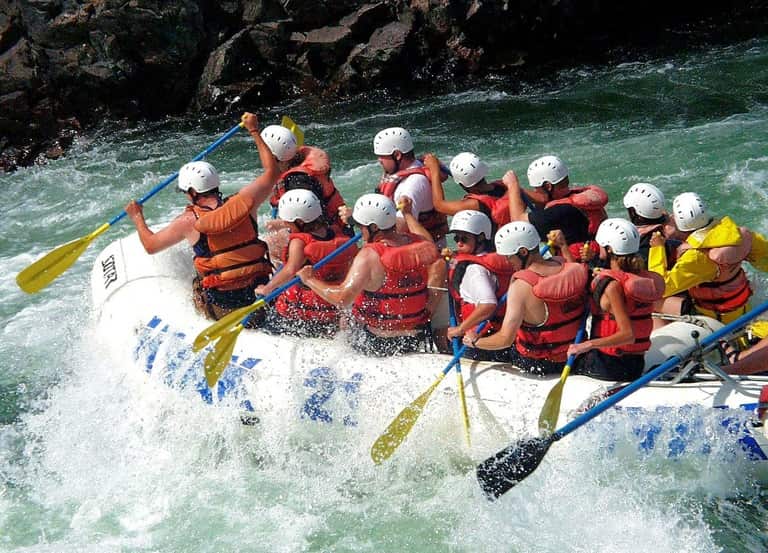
524, 258
550, 190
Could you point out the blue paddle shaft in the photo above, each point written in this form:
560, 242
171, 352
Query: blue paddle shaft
455, 339
579, 336
173, 177
665, 367
295, 280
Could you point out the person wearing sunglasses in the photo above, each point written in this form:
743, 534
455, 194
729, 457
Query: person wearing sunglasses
546, 301
477, 278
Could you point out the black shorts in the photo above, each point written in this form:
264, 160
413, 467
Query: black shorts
277, 324
600, 365
535, 366
364, 341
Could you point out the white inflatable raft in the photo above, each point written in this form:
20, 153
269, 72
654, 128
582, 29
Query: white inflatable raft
142, 305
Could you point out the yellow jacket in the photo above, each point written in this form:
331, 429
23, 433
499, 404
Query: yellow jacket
694, 266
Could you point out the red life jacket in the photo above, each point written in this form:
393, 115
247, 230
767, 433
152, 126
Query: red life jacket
316, 163
564, 294
435, 223
401, 301
730, 289
497, 265
494, 204
590, 200
301, 302
640, 292
229, 254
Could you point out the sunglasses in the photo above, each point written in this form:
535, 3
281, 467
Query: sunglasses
462, 237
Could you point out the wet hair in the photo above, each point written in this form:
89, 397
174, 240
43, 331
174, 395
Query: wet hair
303, 181
632, 263
639, 220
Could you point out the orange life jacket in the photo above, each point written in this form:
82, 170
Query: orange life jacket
229, 254
591, 200
497, 264
564, 294
640, 292
730, 289
434, 222
301, 302
316, 163
401, 301
494, 204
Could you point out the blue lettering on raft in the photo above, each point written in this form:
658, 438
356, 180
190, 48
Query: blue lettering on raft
166, 350
319, 405
681, 430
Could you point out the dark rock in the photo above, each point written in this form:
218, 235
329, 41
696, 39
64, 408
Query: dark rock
234, 77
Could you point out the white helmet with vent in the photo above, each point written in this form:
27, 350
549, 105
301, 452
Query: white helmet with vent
200, 176
516, 235
690, 212
299, 204
549, 169
467, 169
473, 222
281, 142
646, 199
375, 209
620, 235
394, 138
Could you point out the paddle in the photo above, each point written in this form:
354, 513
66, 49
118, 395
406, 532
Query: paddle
386, 444
459, 378
43, 271
505, 469
551, 410
289, 124
228, 328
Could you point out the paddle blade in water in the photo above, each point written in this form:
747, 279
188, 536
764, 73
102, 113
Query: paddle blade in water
224, 325
400, 427
500, 473
43, 271
218, 358
551, 410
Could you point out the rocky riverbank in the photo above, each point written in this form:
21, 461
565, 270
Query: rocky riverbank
67, 65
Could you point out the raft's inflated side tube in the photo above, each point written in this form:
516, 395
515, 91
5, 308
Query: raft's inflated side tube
675, 337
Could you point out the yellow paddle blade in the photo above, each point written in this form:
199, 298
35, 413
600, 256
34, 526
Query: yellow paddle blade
464, 412
43, 271
291, 125
551, 410
225, 324
400, 427
218, 358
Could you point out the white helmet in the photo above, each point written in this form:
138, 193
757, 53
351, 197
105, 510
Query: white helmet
620, 235
473, 222
467, 169
646, 199
299, 204
549, 169
375, 209
690, 212
200, 176
513, 236
394, 138
281, 142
